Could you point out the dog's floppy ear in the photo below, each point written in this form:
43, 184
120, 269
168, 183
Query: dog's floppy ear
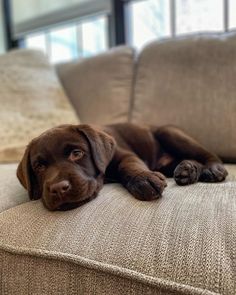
102, 146
26, 175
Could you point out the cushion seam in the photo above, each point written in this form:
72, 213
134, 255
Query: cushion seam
163, 284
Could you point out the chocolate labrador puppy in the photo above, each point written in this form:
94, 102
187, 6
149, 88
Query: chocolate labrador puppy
68, 165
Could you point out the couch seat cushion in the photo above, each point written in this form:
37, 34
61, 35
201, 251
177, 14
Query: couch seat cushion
11, 191
13, 194
184, 243
231, 168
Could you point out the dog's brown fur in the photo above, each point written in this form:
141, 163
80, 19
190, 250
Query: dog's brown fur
67, 165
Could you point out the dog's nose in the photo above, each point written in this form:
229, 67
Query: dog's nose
59, 188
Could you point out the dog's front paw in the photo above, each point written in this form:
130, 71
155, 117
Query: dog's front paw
187, 172
147, 185
215, 172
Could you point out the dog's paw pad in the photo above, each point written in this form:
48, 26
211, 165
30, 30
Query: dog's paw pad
147, 186
187, 172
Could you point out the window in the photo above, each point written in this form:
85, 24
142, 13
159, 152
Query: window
148, 20
63, 44
2, 35
198, 16
152, 19
94, 36
36, 41
79, 39
90, 23
232, 14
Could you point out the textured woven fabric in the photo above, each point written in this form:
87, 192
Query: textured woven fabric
100, 87
231, 168
11, 191
190, 82
31, 100
184, 243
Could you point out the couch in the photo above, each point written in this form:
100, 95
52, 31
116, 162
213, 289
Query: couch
183, 243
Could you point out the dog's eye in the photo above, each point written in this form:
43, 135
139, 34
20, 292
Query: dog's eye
40, 167
76, 154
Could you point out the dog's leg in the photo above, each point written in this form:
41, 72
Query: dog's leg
136, 177
197, 164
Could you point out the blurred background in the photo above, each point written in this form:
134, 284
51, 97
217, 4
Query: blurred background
72, 29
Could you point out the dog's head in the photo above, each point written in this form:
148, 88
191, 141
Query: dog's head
66, 165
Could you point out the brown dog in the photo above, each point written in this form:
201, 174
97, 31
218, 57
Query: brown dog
67, 165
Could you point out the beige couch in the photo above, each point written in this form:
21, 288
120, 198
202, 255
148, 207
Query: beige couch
184, 243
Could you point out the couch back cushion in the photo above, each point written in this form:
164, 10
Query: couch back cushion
100, 87
190, 82
31, 100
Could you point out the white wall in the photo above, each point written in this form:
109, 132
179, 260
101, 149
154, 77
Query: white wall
2, 40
